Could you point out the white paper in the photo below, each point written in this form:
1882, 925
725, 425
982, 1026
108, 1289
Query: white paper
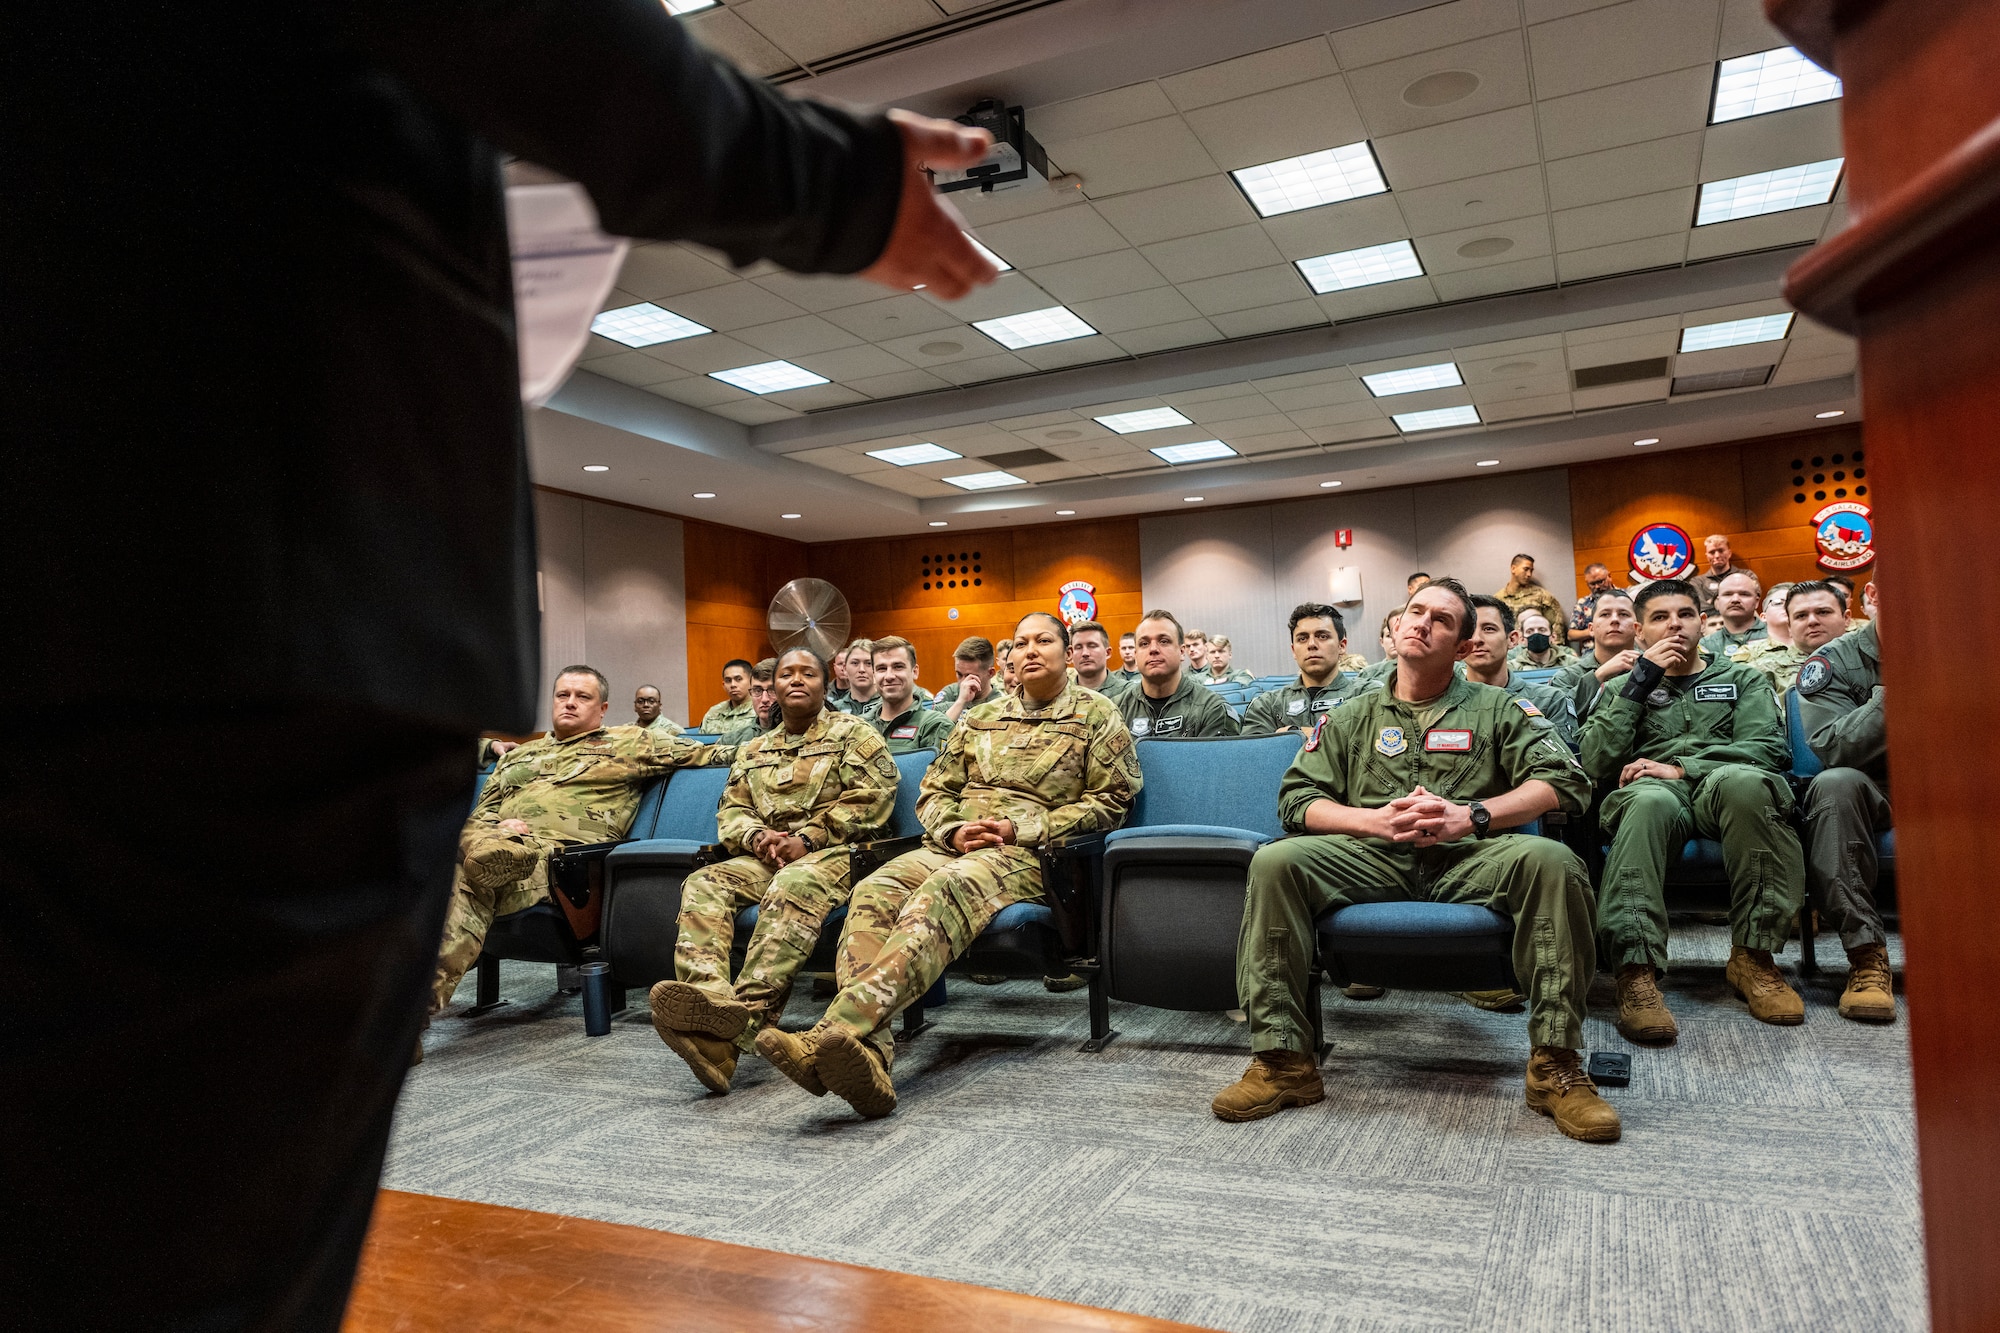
1346, 585
563, 269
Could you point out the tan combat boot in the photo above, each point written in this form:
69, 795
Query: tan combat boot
712, 1059
1360, 992
1869, 997
1754, 977
1560, 1090
1274, 1080
793, 1053
1495, 1001
686, 1008
1642, 1011
853, 1072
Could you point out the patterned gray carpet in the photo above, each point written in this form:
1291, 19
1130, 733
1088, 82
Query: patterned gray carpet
1766, 1180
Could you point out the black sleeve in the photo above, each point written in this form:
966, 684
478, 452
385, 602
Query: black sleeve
672, 142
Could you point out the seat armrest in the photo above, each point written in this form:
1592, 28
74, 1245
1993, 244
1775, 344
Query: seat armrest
713, 853
571, 869
1074, 846
865, 858
1073, 879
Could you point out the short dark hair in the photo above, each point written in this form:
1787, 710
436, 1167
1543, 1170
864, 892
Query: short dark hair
1595, 564
825, 672
1492, 603
975, 650
654, 688
1595, 598
1180, 634
735, 662
1062, 626
1659, 588
1519, 556
603, 685
1841, 581
1468, 614
766, 670
1128, 634
891, 644
1811, 587
1085, 626
1316, 611
1414, 577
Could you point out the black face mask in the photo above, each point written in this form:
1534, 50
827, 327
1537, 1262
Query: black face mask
1538, 643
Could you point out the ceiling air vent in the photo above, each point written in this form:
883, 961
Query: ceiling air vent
1021, 458
1722, 379
1622, 372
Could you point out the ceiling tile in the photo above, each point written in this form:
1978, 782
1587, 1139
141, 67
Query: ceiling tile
1071, 429
1617, 395
983, 209
1275, 442
1526, 386
1237, 406
1494, 197
1207, 204
1216, 252
820, 292
1765, 143
1302, 378
1336, 414
983, 368
1285, 122
1510, 347
1746, 310
1666, 213
849, 363
1473, 247
1050, 238
961, 343
1083, 116
1471, 147
636, 369
1745, 30
1392, 99
1160, 337
1097, 276
1318, 395
903, 481
660, 272
1521, 409
1262, 424
1261, 72
1804, 370
711, 351
700, 391
757, 411
1425, 401
1185, 399
1041, 472
756, 268
1120, 314
1616, 173
899, 384
1423, 30
1761, 233
838, 460
1616, 351
1634, 112
1041, 420
721, 31
1347, 225
1073, 352
1010, 294
1078, 450
1243, 291
1519, 276
1625, 257
798, 336
1136, 157
1621, 43
1270, 319
811, 29
1360, 302
1517, 373
1378, 429
1631, 328
734, 306
1739, 357
879, 321
1541, 11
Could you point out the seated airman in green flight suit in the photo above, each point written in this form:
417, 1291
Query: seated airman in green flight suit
1405, 793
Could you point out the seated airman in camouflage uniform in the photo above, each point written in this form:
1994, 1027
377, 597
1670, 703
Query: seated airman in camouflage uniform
579, 784
797, 796
1018, 772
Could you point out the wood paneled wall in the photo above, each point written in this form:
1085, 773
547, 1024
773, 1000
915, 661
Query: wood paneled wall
732, 574
1760, 493
991, 579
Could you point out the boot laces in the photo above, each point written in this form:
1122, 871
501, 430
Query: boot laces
1645, 989
1565, 1072
1764, 975
1869, 972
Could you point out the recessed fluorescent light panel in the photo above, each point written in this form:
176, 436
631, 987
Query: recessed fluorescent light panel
1414, 380
1736, 332
911, 454
1769, 81
643, 325
1768, 192
1361, 268
1198, 452
1151, 418
1326, 177
991, 258
1437, 418
689, 6
769, 377
986, 481
1054, 325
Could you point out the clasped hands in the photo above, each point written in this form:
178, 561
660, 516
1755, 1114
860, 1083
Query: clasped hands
1423, 819
777, 850
974, 834
1649, 768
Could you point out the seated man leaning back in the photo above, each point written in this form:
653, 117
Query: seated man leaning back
579, 784
1405, 793
798, 795
1018, 772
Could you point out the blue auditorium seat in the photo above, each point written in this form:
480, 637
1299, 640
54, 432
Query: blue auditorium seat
1805, 767
642, 878
1174, 875
1418, 946
1537, 675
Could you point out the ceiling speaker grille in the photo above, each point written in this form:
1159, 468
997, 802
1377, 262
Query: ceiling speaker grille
1621, 372
1748, 378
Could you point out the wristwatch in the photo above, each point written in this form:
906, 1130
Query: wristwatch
1482, 820
806, 838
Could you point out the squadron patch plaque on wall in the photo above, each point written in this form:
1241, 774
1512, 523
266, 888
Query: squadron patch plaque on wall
1660, 551
1077, 601
1844, 534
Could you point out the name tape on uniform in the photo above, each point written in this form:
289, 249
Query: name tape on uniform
1724, 692
1451, 742
908, 733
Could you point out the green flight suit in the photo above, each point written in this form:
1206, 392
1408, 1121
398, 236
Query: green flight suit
1369, 751
1726, 640
1192, 709
1721, 727
1847, 805
1378, 671
916, 728
1553, 705
1559, 657
1295, 707
1239, 676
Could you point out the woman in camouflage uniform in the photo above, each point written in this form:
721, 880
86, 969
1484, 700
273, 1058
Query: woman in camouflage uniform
1019, 771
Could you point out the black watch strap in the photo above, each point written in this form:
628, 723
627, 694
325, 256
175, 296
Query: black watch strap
1482, 822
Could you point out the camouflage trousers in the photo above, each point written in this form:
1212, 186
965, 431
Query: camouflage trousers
908, 921
792, 905
498, 874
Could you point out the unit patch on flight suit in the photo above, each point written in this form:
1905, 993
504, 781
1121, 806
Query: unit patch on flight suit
1814, 675
1391, 742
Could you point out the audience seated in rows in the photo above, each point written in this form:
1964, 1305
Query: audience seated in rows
1168, 699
